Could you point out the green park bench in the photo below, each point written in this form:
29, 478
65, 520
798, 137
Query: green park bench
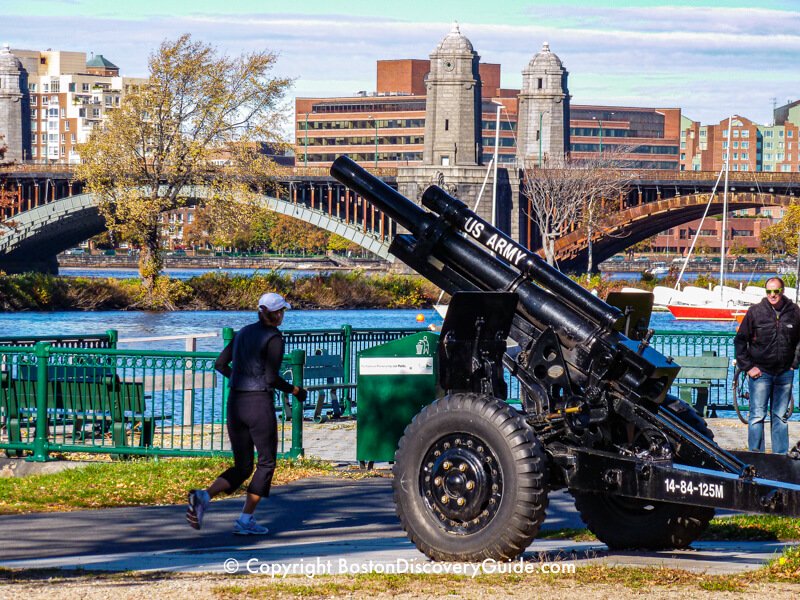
80, 396
323, 373
697, 376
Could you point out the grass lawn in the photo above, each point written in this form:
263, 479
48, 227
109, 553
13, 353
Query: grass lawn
135, 482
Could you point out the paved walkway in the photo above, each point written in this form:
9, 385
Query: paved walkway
326, 525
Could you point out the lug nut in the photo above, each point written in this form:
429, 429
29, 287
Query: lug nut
444, 499
437, 481
470, 485
461, 502
462, 467
446, 465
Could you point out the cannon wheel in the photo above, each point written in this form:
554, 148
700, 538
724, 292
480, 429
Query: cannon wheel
634, 523
469, 480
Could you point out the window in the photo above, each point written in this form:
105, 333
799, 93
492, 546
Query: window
767, 145
724, 156
35, 151
34, 113
779, 156
45, 101
745, 133
724, 133
45, 87
84, 87
735, 144
52, 125
683, 156
63, 150
702, 133
96, 113
445, 161
71, 86
72, 138
745, 144
63, 138
768, 167
768, 133
744, 168
66, 125
780, 133
786, 168
52, 137
735, 156
32, 88
539, 83
735, 133
108, 100
683, 145
33, 101
34, 125
768, 156
683, 134
63, 113
53, 99
745, 156
447, 124
724, 145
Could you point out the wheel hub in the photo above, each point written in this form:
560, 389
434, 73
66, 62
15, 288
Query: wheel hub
461, 482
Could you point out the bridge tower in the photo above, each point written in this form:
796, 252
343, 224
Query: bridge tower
543, 121
14, 107
453, 105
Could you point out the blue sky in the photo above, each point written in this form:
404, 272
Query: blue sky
710, 58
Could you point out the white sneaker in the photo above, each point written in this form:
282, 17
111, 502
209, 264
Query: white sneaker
249, 528
198, 503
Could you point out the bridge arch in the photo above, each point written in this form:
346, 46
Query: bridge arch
635, 224
37, 235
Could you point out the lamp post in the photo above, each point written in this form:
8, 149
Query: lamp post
376, 142
305, 150
600, 122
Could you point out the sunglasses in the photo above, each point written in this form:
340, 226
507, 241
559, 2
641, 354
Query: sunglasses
775, 292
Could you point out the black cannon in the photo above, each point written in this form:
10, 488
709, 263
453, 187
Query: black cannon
472, 472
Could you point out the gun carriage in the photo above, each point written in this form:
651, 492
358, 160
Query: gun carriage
472, 473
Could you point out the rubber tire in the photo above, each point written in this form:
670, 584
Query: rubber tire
686, 413
523, 466
622, 523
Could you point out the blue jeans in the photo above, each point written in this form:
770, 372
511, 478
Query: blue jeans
773, 392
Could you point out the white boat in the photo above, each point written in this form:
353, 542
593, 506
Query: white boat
723, 303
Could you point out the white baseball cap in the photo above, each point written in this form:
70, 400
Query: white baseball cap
272, 302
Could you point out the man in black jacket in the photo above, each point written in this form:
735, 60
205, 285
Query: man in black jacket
767, 350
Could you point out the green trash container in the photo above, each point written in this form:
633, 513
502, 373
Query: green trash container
395, 381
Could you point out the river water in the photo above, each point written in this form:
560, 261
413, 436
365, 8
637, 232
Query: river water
137, 324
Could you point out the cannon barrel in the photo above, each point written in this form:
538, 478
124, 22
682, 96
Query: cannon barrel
459, 215
435, 246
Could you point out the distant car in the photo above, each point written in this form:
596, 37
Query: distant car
742, 260
109, 252
759, 261
177, 253
641, 259
617, 258
75, 251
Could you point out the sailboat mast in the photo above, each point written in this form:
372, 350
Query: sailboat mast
725, 214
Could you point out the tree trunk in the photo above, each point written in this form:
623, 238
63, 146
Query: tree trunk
589, 260
548, 244
151, 262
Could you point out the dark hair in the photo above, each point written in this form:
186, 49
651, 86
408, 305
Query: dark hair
778, 279
270, 317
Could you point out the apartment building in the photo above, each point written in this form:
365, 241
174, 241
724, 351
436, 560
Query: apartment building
69, 96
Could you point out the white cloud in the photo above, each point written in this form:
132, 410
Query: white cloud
710, 62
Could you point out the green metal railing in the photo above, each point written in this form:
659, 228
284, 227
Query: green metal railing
128, 402
56, 396
149, 402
